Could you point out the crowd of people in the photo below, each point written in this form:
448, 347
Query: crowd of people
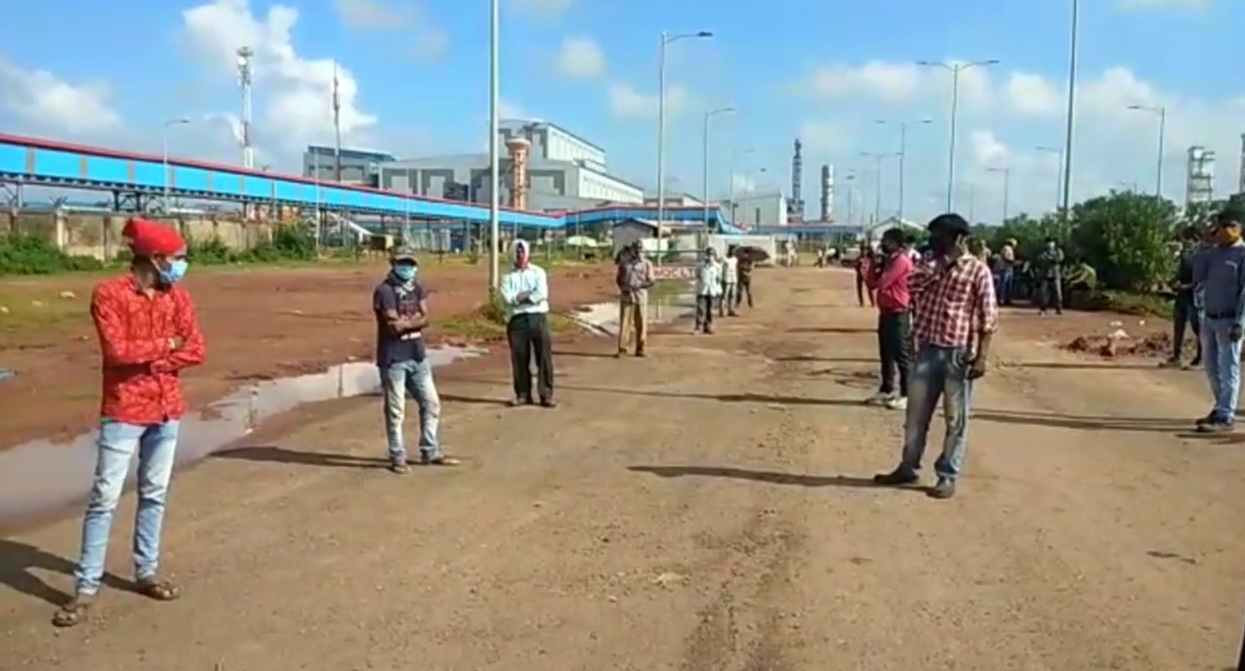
937, 314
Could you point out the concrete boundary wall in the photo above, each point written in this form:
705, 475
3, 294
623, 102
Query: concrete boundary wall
99, 235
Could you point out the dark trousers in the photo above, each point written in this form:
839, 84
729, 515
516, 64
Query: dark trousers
863, 290
1050, 295
745, 288
704, 314
895, 350
1185, 316
529, 338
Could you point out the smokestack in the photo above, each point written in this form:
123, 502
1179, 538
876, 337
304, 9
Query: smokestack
518, 148
1240, 187
827, 193
795, 209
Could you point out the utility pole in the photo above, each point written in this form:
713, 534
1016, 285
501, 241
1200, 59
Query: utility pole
337, 125
955, 69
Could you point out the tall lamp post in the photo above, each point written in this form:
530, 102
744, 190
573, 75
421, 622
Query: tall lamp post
1161, 112
1007, 187
164, 136
955, 69
1058, 152
731, 187
877, 181
1065, 200
704, 184
494, 153
903, 152
666, 39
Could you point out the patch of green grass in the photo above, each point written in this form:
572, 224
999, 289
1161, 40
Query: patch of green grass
666, 289
479, 326
1139, 305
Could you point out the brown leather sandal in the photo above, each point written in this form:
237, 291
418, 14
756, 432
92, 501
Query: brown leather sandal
159, 590
73, 613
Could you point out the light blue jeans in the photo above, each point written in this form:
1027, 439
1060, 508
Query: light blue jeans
938, 372
414, 378
1222, 358
156, 445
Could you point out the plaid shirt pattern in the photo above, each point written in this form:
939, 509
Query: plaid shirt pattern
953, 303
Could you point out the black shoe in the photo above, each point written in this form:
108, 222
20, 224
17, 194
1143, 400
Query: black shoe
945, 489
520, 401
548, 403
897, 478
1196, 362
1217, 426
1210, 418
640, 353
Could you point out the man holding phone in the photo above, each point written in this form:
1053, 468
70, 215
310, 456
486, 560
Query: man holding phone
955, 319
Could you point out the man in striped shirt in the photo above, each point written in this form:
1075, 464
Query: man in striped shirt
955, 319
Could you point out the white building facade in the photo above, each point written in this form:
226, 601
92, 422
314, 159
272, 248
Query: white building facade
762, 209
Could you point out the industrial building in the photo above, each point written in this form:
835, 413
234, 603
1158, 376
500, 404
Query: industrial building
758, 209
357, 166
545, 168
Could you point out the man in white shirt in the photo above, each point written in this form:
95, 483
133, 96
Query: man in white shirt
708, 290
525, 291
730, 283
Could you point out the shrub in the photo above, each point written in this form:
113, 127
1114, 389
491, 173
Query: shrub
33, 255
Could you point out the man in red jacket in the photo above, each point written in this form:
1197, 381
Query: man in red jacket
890, 281
148, 333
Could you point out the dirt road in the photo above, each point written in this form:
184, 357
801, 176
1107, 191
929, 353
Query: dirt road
701, 510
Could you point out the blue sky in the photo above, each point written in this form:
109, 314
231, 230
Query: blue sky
416, 82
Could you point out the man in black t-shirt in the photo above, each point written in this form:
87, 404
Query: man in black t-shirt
401, 308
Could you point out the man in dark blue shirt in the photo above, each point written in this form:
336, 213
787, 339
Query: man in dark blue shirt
401, 307
1219, 272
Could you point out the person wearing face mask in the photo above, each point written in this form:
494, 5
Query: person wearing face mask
708, 289
525, 290
955, 319
1184, 314
400, 304
148, 333
1220, 272
890, 283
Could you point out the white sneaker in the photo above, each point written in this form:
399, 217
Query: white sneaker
878, 398
897, 403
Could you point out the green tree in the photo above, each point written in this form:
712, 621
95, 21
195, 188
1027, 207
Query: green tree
1127, 237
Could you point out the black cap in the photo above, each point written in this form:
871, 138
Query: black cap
950, 222
1233, 212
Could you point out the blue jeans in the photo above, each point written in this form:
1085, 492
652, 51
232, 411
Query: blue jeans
415, 378
156, 445
1003, 286
1222, 358
938, 372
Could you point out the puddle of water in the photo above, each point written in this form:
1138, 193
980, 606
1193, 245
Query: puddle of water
41, 476
603, 317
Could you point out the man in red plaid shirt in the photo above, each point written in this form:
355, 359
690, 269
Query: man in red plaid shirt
955, 318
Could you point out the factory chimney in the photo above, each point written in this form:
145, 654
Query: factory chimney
518, 148
1240, 187
827, 193
795, 209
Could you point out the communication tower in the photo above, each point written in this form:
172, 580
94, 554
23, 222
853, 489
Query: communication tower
1200, 180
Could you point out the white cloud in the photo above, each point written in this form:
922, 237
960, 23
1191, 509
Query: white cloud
627, 102
1033, 96
46, 103
296, 104
988, 150
581, 57
896, 83
372, 14
825, 136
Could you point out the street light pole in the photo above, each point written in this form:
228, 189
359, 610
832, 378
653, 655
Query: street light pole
1058, 181
955, 69
1065, 202
1007, 187
877, 181
903, 155
731, 188
494, 113
704, 186
1161, 112
165, 154
666, 39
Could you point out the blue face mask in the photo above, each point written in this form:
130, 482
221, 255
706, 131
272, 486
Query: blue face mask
175, 272
405, 272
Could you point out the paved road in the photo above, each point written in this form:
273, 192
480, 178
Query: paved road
701, 510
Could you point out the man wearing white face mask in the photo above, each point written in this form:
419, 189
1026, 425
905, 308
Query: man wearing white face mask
148, 333
401, 307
